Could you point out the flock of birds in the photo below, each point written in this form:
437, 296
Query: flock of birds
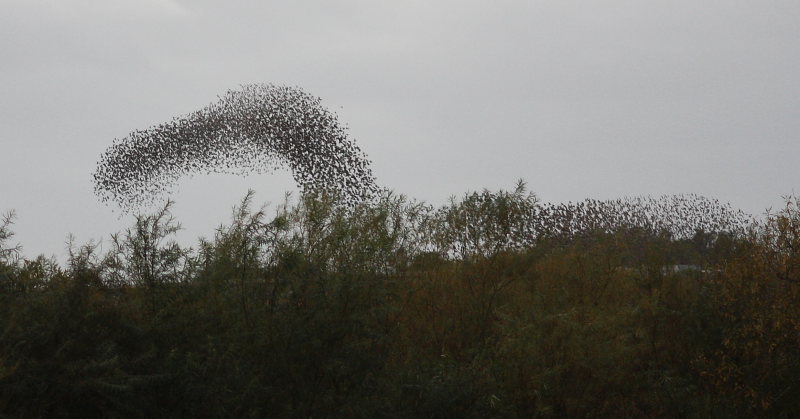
681, 216
262, 127
256, 129
488, 221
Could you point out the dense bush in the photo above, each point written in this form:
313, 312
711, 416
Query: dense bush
494, 305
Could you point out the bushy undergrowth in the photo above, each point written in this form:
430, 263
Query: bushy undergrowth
494, 305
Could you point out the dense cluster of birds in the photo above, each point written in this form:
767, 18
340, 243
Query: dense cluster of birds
263, 127
681, 216
486, 222
256, 129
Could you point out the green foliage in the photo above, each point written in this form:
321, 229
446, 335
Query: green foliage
757, 362
9, 261
494, 305
7, 253
141, 256
482, 224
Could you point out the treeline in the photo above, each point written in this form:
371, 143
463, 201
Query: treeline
495, 305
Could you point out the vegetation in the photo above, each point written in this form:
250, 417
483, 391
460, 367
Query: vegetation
494, 305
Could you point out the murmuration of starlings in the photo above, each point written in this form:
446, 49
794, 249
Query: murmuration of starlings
255, 129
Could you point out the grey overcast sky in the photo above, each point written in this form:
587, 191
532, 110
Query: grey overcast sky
597, 99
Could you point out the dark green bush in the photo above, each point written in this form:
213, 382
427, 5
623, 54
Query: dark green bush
394, 309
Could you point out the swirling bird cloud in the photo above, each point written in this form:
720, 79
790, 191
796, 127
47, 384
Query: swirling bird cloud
255, 129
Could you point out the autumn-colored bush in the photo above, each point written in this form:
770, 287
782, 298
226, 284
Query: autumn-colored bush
494, 305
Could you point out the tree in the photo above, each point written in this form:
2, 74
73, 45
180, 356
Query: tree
146, 256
